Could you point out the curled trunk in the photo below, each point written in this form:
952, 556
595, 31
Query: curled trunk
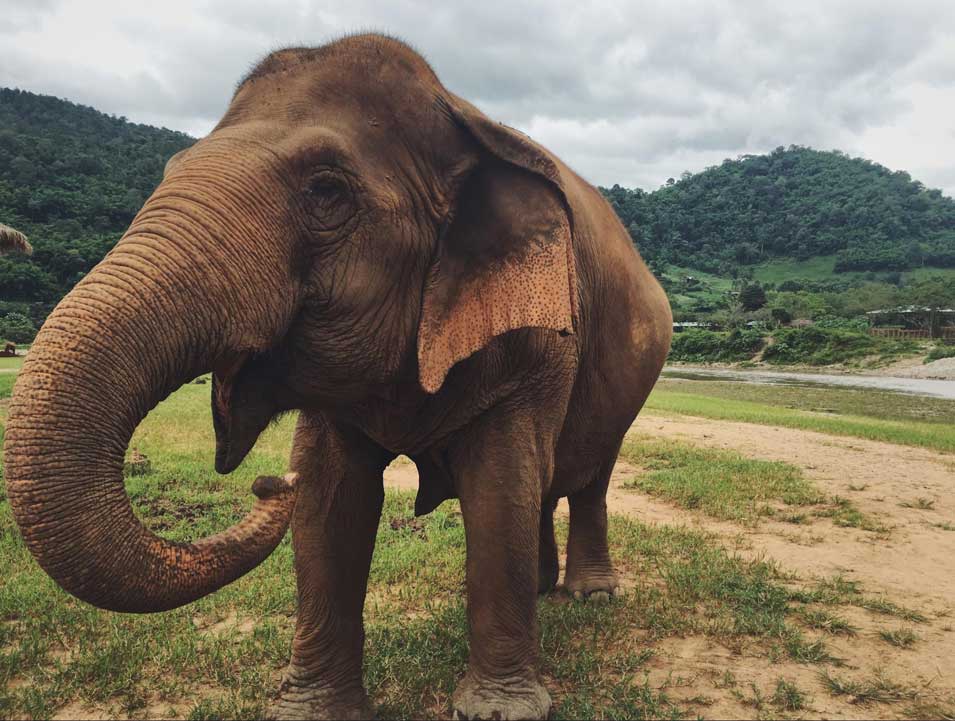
143, 322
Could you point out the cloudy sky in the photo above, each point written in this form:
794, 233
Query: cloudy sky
626, 91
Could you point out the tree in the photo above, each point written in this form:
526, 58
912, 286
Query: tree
781, 316
17, 327
752, 297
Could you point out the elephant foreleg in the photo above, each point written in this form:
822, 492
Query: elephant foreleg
340, 495
500, 470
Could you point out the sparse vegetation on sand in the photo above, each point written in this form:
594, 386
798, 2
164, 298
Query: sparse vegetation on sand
729, 486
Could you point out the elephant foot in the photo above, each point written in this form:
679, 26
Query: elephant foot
303, 702
596, 585
508, 699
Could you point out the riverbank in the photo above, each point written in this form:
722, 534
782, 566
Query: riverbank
908, 367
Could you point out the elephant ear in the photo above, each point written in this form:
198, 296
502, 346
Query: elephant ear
505, 257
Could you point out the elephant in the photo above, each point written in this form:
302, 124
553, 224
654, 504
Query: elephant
355, 242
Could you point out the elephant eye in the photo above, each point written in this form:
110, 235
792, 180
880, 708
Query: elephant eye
331, 198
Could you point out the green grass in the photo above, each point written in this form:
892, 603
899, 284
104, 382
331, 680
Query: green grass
728, 486
840, 591
789, 697
900, 637
8, 374
594, 656
828, 622
819, 267
877, 689
416, 644
830, 400
8, 363
936, 436
928, 272
723, 484
844, 513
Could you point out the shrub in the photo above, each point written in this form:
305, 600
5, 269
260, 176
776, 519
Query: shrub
858, 325
706, 346
819, 345
939, 352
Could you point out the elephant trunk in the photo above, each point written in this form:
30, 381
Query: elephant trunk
156, 312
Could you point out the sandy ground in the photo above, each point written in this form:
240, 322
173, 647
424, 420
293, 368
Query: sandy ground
942, 369
913, 565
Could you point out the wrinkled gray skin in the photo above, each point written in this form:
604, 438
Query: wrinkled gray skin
354, 241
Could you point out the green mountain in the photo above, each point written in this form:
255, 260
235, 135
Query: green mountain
793, 203
823, 233
71, 178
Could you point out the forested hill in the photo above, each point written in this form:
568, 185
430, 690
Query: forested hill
71, 178
793, 203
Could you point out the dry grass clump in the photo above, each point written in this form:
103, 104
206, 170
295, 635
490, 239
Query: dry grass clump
13, 241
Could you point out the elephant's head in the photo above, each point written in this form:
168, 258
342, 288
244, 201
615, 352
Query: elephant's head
348, 224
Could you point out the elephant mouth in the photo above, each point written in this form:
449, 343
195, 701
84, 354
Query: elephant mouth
244, 401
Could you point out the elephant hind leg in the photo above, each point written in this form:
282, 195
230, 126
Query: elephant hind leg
590, 572
547, 560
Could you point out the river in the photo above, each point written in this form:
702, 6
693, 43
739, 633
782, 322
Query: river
914, 386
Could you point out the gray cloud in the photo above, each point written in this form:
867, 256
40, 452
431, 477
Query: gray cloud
628, 92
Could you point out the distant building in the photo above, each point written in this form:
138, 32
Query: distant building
680, 326
912, 322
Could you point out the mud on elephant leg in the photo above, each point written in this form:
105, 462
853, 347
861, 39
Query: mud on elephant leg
590, 572
333, 534
548, 561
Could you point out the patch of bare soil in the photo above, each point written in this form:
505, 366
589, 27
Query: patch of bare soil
915, 562
941, 369
155, 708
81, 711
912, 565
232, 623
402, 474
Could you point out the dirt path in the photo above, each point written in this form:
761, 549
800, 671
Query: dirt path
913, 565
